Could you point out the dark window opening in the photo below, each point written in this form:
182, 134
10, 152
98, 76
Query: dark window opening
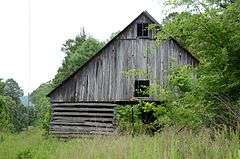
148, 117
139, 29
141, 88
142, 29
145, 29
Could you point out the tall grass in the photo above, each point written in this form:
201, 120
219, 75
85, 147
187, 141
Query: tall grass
169, 144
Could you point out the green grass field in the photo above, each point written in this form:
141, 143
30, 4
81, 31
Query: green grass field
165, 145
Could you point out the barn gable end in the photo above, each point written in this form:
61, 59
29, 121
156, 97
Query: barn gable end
101, 79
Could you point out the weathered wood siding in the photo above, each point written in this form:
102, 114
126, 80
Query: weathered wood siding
73, 119
102, 79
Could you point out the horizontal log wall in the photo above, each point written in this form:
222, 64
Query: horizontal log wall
72, 119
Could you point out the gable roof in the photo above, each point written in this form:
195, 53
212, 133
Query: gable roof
144, 13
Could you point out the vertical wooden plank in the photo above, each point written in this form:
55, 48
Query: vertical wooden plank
102, 79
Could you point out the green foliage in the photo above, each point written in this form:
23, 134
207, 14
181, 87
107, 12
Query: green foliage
129, 119
42, 104
200, 5
182, 102
14, 116
170, 17
13, 90
20, 117
2, 85
209, 94
214, 40
169, 144
25, 154
183, 97
5, 113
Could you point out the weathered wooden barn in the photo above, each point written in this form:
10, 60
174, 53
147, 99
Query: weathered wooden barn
85, 102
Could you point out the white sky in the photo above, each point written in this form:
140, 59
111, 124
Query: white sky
52, 23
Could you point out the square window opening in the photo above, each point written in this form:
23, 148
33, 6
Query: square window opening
145, 29
139, 29
142, 29
141, 88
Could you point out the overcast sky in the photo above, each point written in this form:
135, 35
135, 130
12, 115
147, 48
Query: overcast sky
53, 22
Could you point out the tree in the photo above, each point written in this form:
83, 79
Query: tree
213, 36
203, 3
170, 17
19, 116
42, 104
14, 116
13, 90
5, 113
2, 85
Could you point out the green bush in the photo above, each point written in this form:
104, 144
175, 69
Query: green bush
5, 113
128, 119
182, 104
209, 94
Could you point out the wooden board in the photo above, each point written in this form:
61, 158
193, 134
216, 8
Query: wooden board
83, 118
103, 80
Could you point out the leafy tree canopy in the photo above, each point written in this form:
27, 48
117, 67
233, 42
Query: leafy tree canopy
203, 3
14, 116
12, 89
2, 85
213, 36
